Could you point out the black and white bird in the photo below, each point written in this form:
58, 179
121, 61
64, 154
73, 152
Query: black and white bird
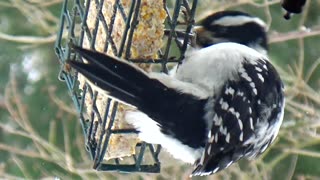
225, 102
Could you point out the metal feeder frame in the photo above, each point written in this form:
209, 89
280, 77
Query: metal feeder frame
74, 14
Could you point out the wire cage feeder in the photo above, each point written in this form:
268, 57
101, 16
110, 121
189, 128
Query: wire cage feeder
113, 27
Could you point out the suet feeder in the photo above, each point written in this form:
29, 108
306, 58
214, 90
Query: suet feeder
146, 32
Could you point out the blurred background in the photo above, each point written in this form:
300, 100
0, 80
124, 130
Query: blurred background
40, 135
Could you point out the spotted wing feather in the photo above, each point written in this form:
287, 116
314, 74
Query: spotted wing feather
245, 113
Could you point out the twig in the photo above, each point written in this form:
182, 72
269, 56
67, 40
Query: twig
55, 155
304, 13
313, 96
312, 69
28, 39
21, 166
52, 134
280, 37
276, 160
79, 144
303, 152
292, 168
14, 115
45, 3
19, 111
67, 148
35, 15
303, 107
301, 64
27, 153
20, 107
267, 13
267, 3
10, 176
60, 104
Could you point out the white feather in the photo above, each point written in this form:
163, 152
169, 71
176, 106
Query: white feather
184, 87
150, 132
238, 20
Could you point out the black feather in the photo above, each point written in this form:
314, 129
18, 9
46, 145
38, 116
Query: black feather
106, 81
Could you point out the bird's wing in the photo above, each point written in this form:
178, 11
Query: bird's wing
244, 114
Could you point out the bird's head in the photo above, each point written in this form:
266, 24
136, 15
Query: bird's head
232, 26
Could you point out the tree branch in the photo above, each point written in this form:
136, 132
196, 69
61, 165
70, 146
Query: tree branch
28, 39
280, 37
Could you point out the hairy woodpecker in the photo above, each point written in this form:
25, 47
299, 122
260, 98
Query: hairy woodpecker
224, 103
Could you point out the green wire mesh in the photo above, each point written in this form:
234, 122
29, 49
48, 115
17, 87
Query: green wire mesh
73, 29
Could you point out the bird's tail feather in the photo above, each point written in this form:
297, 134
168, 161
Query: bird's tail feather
119, 78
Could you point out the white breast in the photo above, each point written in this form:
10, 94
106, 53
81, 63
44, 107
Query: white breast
210, 67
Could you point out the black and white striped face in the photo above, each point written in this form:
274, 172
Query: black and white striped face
232, 26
